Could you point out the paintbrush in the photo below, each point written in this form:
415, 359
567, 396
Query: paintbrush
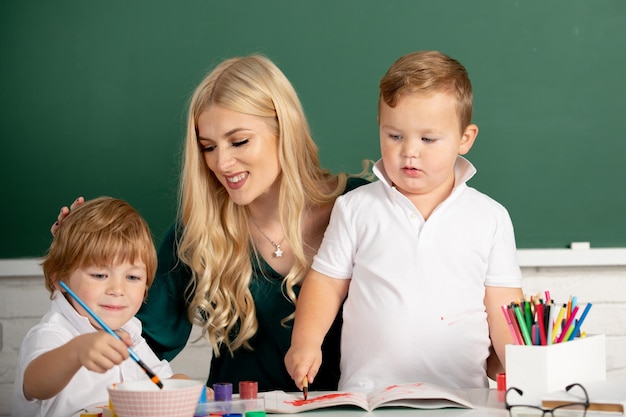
305, 387
102, 324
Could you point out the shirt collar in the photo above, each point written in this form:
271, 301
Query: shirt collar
463, 171
67, 310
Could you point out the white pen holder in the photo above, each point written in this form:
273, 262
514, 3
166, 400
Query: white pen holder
537, 370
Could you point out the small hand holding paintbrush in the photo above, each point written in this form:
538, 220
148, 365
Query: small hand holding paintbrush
102, 324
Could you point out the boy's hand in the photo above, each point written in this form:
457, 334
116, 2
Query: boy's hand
64, 213
303, 362
49, 373
100, 351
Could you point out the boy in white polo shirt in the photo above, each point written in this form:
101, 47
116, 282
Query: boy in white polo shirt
422, 261
105, 254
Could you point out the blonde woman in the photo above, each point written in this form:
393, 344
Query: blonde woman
254, 205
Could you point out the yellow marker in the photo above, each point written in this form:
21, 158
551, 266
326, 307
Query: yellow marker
557, 323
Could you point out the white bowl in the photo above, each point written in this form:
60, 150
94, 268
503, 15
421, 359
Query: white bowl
178, 398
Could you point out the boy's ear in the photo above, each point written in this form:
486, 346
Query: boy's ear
468, 138
57, 286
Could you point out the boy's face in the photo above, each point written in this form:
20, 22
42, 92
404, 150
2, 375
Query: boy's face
420, 139
113, 292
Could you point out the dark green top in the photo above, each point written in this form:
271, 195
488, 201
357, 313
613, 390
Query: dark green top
166, 326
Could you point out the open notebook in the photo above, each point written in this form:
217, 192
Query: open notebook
413, 395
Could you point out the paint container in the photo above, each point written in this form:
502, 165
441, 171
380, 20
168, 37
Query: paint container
248, 390
223, 391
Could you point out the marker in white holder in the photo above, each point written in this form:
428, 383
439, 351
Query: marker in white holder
580, 245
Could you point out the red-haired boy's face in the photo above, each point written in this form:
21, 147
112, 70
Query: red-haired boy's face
115, 292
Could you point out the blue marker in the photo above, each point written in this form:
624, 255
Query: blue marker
580, 321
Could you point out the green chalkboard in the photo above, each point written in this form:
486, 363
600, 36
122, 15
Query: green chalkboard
93, 97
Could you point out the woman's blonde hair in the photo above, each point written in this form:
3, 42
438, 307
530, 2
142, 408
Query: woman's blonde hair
100, 232
427, 72
216, 242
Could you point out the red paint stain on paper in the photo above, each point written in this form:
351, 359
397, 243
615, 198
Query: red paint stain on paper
321, 398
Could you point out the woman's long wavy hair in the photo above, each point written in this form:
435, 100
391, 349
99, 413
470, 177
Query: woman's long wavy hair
215, 242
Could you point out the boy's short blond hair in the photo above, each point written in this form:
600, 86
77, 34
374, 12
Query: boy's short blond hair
428, 72
100, 232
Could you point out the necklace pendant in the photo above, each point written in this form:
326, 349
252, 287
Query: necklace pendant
278, 252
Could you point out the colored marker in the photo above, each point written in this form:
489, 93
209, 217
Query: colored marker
580, 321
557, 323
518, 333
549, 313
541, 324
568, 325
529, 314
569, 308
505, 311
104, 326
522, 325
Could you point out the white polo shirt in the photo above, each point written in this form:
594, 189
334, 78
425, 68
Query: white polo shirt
61, 324
415, 307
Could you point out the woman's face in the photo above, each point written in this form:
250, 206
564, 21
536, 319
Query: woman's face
242, 152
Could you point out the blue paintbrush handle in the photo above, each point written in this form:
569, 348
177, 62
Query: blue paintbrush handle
111, 332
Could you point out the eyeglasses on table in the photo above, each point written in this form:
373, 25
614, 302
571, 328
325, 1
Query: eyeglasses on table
573, 409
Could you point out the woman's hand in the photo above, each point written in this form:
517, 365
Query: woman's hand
64, 213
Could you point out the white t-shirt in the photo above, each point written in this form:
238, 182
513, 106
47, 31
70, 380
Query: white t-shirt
415, 307
61, 324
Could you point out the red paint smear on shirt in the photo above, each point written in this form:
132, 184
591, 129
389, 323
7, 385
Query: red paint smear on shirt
298, 403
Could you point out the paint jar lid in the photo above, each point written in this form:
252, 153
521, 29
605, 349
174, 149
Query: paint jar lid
501, 381
248, 390
223, 391
255, 413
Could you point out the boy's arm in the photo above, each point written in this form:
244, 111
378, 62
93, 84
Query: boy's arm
316, 308
49, 373
495, 298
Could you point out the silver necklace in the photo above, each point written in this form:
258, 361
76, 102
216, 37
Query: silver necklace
278, 252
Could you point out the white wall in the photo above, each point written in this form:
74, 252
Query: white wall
24, 299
